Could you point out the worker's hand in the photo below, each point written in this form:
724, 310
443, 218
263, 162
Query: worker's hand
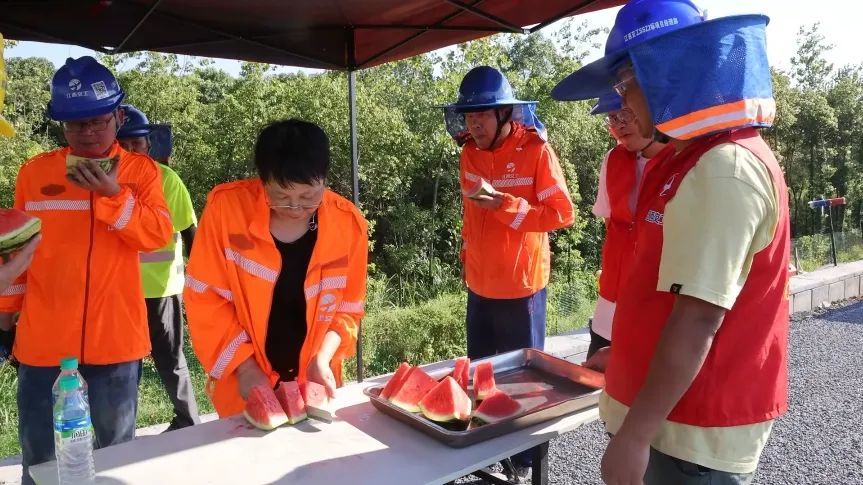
599, 360
490, 202
319, 371
625, 460
250, 375
18, 263
89, 176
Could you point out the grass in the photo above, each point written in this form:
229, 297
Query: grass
154, 407
423, 332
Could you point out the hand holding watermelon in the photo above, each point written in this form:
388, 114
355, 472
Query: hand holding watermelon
90, 175
319, 371
249, 376
17, 262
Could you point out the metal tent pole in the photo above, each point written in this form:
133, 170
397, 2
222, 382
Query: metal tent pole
355, 192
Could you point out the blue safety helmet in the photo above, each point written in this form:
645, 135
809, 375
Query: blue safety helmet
607, 103
483, 88
82, 89
637, 22
135, 124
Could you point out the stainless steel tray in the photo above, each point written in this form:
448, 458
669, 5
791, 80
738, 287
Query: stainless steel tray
547, 387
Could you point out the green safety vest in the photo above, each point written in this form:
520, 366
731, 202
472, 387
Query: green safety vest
162, 270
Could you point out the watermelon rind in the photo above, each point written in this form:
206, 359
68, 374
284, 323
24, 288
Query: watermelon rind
21, 228
396, 380
263, 409
292, 402
447, 401
417, 384
497, 407
483, 380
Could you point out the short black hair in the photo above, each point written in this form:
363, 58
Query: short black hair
292, 151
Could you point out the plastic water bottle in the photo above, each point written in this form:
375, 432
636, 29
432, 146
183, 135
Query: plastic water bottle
73, 432
69, 366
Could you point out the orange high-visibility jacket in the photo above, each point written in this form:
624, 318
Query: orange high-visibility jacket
232, 273
505, 251
81, 296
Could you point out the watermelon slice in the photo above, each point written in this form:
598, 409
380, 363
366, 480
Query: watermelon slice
483, 380
292, 401
461, 373
314, 394
16, 229
497, 407
263, 409
417, 384
396, 380
447, 401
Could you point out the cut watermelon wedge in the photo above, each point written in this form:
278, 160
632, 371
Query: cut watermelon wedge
263, 410
16, 229
314, 394
461, 373
483, 380
417, 384
497, 407
396, 380
292, 401
447, 401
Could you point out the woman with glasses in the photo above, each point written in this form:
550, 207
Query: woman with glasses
276, 282
619, 182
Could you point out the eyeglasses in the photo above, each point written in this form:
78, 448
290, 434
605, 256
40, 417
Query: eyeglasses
296, 207
621, 87
94, 125
621, 117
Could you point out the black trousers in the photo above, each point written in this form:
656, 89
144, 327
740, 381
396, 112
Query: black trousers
165, 318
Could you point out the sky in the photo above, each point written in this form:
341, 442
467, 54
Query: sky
838, 19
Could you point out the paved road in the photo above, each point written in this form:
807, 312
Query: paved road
819, 441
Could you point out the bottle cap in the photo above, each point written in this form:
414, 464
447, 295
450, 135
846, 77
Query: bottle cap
69, 363
68, 383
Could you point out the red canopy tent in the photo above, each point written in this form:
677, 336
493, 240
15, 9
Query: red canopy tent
327, 34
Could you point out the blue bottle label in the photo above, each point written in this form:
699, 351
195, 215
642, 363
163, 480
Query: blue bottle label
74, 430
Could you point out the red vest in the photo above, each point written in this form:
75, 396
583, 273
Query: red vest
744, 378
618, 247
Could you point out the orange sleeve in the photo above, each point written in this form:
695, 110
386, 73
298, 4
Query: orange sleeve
219, 340
346, 321
554, 209
466, 181
12, 298
140, 218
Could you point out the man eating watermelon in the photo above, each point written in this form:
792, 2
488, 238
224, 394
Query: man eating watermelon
100, 206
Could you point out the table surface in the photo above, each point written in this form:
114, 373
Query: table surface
361, 445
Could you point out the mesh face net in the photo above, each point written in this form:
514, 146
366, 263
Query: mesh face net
707, 78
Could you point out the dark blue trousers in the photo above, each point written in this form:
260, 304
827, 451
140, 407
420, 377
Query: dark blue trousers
113, 397
495, 326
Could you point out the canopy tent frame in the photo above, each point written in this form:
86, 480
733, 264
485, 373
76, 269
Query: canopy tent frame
483, 22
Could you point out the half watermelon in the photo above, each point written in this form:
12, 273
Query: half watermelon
447, 401
461, 373
483, 380
16, 229
263, 410
396, 380
417, 384
497, 407
292, 401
